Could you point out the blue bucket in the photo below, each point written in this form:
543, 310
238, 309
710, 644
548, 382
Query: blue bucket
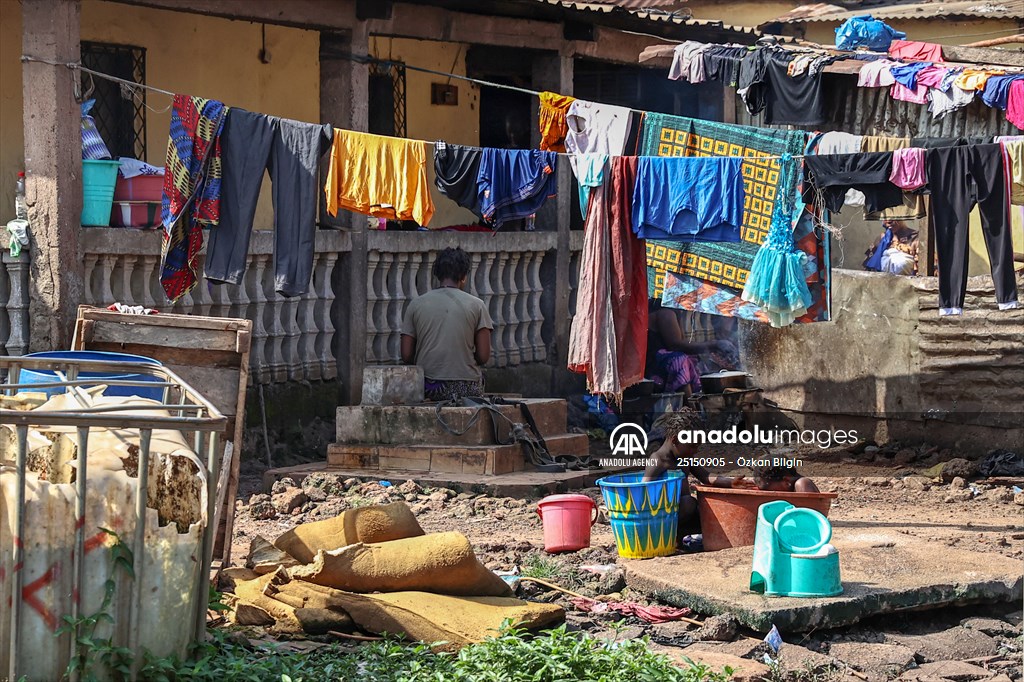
644, 516
39, 376
98, 180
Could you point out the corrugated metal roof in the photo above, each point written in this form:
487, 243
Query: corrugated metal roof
679, 18
643, 4
975, 9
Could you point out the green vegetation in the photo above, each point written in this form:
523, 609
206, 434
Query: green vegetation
513, 656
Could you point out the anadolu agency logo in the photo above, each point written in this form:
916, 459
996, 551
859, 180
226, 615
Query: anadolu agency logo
628, 440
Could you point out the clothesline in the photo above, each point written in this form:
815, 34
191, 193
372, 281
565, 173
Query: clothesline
77, 66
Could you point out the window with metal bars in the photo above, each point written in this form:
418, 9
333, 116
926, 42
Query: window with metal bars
120, 114
387, 99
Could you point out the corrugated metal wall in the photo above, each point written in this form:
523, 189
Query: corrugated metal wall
871, 111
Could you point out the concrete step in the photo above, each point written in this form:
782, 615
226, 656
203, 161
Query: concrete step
478, 459
418, 424
522, 484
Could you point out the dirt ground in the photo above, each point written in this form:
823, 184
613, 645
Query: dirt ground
891, 487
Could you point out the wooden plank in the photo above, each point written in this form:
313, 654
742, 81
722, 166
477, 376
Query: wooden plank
219, 385
244, 345
165, 320
211, 354
164, 336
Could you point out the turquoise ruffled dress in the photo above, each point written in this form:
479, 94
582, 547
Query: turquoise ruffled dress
777, 281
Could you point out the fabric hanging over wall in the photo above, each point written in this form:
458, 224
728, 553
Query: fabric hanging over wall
514, 183
457, 172
379, 176
290, 150
192, 186
689, 199
726, 275
608, 337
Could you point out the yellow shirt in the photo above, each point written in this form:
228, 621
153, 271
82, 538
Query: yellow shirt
1014, 153
384, 177
972, 79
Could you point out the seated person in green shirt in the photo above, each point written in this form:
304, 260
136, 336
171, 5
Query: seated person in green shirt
447, 332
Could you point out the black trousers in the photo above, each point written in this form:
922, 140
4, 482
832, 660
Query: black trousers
960, 178
290, 150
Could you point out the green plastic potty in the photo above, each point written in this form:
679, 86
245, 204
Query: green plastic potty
792, 554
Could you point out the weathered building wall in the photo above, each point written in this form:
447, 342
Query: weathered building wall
188, 53
458, 124
889, 367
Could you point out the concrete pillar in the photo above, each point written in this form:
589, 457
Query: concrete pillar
53, 169
344, 92
555, 73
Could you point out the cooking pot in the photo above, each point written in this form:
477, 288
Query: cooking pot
720, 381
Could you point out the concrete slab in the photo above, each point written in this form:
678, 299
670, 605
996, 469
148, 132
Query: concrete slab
524, 484
883, 571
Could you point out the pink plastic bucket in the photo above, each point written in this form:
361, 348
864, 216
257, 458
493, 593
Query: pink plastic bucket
567, 521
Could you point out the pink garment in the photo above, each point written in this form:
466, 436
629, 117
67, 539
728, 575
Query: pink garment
608, 339
651, 614
919, 95
931, 76
1015, 104
915, 50
876, 74
908, 168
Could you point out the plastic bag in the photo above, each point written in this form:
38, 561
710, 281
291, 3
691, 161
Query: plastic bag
93, 146
866, 31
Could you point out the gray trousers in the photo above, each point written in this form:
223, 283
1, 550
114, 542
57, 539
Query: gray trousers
290, 151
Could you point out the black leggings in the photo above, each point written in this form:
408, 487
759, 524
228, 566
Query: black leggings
960, 177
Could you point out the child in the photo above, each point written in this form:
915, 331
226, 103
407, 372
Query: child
668, 454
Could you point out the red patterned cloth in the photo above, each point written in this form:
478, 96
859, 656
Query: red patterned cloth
191, 196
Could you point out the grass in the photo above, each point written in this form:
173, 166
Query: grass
512, 656
545, 568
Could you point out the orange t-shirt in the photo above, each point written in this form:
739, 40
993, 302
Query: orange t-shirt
380, 176
553, 127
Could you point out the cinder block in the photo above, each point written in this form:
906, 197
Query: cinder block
358, 424
569, 444
408, 464
474, 462
446, 460
505, 459
352, 456
392, 385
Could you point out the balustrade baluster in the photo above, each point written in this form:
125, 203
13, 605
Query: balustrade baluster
536, 314
396, 306
509, 270
17, 303
259, 362
482, 267
324, 347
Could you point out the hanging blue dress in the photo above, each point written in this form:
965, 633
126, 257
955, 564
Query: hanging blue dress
777, 281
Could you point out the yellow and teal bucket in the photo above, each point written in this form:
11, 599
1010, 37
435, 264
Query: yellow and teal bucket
644, 516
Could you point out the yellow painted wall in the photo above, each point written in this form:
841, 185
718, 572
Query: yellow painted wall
425, 121
12, 147
933, 30
186, 53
